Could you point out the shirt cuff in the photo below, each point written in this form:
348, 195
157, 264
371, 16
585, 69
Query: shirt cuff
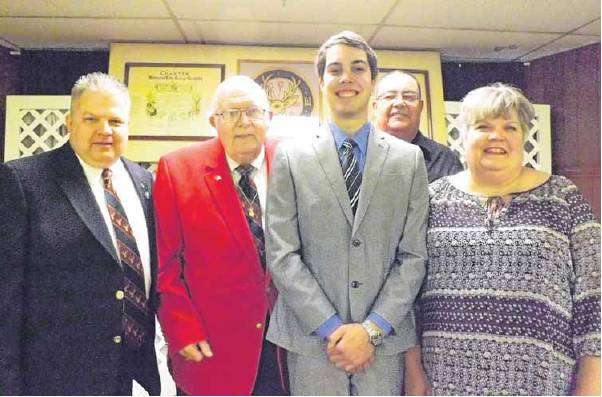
381, 322
328, 326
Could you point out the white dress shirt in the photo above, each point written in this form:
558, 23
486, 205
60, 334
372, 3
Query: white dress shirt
259, 177
124, 187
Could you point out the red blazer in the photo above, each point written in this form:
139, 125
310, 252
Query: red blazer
211, 284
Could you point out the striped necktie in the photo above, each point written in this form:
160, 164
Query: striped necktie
135, 305
249, 199
351, 172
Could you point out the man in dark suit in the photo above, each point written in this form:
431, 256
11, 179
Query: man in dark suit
77, 258
397, 107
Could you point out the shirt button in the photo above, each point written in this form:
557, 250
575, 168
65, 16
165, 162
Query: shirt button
356, 243
117, 339
258, 325
355, 284
119, 295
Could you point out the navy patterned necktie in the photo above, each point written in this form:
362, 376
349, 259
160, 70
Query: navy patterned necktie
249, 199
135, 305
351, 172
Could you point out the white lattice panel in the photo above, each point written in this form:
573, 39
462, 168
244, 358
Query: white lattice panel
35, 124
538, 143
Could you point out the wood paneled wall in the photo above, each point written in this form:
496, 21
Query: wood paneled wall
570, 83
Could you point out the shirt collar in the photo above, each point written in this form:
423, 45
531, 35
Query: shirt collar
419, 138
257, 163
93, 174
360, 137
424, 144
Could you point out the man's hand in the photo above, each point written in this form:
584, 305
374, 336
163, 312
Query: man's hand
349, 348
415, 380
197, 351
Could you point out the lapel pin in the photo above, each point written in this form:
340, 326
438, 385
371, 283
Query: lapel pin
218, 178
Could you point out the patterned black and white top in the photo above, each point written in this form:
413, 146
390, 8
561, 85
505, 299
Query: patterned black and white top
512, 297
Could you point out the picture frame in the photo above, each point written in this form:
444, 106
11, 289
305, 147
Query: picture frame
171, 101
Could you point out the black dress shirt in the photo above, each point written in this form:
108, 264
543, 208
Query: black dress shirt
440, 160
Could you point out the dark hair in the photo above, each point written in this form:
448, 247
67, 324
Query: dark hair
350, 39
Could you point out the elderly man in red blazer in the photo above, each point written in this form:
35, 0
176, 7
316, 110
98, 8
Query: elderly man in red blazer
215, 293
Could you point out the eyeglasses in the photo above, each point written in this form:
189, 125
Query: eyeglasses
233, 115
411, 98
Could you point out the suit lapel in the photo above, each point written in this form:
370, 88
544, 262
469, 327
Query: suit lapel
219, 182
328, 158
71, 179
376, 154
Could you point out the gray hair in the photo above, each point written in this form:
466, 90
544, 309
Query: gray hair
239, 83
493, 101
350, 39
400, 73
99, 81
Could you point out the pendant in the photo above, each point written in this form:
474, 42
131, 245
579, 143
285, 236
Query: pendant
251, 213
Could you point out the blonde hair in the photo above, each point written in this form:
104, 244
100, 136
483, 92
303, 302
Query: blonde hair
99, 81
493, 101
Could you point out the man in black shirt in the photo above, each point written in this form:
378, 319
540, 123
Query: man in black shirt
397, 107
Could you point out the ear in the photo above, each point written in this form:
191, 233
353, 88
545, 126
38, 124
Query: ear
420, 105
374, 104
213, 121
68, 121
269, 115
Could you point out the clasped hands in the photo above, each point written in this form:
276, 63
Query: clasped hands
197, 351
349, 348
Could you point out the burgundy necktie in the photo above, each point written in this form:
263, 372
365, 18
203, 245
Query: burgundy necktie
135, 305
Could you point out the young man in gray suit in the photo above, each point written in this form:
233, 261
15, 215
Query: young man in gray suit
346, 220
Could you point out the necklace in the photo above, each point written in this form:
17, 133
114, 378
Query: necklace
250, 202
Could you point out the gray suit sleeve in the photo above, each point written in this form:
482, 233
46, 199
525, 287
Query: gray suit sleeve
396, 299
295, 282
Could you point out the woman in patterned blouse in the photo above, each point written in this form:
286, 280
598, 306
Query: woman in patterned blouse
511, 302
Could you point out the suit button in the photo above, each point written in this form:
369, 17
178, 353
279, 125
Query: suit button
356, 243
355, 284
258, 325
119, 295
117, 339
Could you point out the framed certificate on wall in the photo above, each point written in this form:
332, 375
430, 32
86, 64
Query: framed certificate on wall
171, 100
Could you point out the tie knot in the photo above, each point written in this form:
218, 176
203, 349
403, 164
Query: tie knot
349, 144
106, 176
245, 170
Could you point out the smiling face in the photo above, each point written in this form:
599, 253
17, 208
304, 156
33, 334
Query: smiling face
347, 83
494, 144
98, 127
397, 106
243, 137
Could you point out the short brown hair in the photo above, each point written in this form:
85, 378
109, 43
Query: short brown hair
350, 39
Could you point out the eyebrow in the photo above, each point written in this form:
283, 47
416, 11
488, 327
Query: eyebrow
352, 62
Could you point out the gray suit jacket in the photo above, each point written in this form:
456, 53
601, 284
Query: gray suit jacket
323, 261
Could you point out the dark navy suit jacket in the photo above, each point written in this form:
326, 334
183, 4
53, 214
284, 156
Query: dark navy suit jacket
59, 274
